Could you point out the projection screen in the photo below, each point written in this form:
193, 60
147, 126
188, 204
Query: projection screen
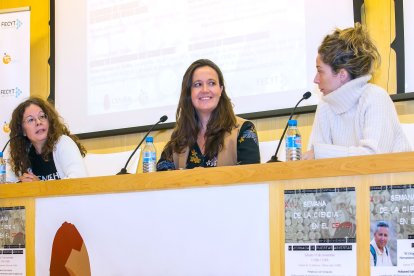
119, 64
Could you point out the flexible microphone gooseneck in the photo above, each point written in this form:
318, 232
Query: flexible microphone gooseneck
274, 158
124, 169
5, 146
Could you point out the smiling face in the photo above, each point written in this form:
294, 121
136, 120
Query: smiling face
326, 79
35, 126
205, 90
381, 237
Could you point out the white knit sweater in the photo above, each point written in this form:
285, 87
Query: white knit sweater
358, 118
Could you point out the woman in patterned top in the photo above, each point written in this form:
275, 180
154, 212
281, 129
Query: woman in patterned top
207, 133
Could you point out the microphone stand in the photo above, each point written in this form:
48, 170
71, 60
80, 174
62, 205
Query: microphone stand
124, 169
5, 146
274, 157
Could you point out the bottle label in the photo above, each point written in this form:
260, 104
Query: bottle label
150, 156
294, 142
2, 173
149, 161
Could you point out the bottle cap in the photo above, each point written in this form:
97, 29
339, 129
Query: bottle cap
149, 139
1, 154
292, 123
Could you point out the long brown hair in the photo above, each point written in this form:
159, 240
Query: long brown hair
350, 49
222, 118
20, 144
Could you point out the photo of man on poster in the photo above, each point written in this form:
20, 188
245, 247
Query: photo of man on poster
380, 253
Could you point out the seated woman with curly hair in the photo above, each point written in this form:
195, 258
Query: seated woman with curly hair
41, 146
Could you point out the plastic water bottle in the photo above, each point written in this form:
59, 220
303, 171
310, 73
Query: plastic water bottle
149, 160
2, 168
293, 142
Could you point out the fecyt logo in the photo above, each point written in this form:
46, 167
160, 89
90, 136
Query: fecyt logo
11, 24
13, 92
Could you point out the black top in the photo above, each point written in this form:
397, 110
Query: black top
247, 152
45, 170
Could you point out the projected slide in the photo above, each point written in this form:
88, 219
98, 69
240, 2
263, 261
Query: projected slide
409, 45
123, 65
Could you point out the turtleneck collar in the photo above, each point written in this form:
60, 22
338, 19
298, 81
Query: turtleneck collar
346, 96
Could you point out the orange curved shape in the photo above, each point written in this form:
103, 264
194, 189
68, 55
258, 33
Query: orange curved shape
69, 253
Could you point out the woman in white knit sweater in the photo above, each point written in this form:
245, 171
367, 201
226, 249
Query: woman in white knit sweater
354, 117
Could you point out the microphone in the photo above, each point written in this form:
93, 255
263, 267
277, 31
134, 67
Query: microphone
5, 146
124, 169
274, 158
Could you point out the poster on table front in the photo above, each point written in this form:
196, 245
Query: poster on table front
392, 230
12, 241
320, 232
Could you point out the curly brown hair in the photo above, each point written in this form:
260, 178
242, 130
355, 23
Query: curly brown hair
350, 49
222, 118
20, 144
